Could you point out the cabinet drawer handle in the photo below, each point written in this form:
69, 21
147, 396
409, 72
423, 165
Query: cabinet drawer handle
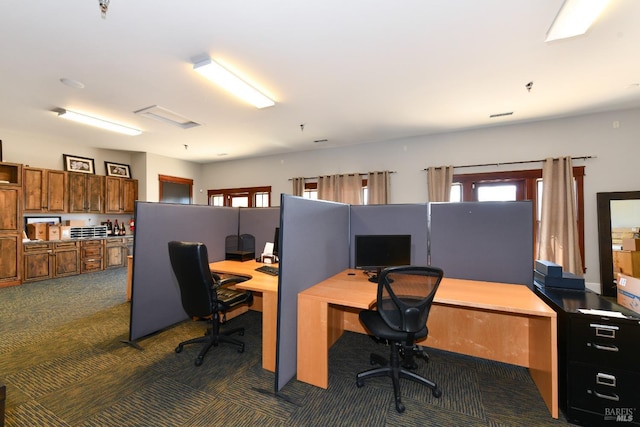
613, 397
605, 379
605, 331
603, 347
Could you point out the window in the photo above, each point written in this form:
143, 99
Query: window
259, 197
311, 191
516, 185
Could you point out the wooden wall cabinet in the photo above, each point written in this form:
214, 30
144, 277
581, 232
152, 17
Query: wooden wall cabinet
86, 193
120, 195
44, 190
91, 255
10, 224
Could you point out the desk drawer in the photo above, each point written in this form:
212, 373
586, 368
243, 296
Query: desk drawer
598, 389
604, 342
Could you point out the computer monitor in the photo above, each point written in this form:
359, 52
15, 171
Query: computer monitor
376, 252
276, 243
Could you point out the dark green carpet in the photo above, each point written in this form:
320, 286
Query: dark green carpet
64, 364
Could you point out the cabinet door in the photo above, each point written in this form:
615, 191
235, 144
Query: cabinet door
91, 256
113, 195
10, 261
34, 189
115, 255
56, 191
77, 192
10, 209
67, 261
130, 195
38, 265
95, 194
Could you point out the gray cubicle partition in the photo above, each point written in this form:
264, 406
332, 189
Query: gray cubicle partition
393, 219
155, 299
261, 223
490, 241
314, 239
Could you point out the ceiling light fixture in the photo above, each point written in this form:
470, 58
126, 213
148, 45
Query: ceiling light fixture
94, 121
232, 83
574, 18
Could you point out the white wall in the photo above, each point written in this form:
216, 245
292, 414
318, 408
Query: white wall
613, 138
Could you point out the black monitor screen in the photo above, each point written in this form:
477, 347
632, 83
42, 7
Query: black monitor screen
276, 242
375, 252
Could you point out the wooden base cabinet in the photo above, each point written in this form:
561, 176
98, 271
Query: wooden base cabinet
116, 251
47, 260
92, 256
38, 261
66, 259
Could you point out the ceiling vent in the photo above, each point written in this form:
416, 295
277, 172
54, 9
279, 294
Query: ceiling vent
161, 114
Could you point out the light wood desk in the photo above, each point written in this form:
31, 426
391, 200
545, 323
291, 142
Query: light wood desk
497, 321
265, 299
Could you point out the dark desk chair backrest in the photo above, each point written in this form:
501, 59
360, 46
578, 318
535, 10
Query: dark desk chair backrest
403, 302
199, 293
190, 263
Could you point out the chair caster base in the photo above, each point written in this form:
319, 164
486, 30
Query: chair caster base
179, 349
436, 392
400, 407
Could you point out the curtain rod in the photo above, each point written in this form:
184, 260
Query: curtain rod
514, 163
354, 173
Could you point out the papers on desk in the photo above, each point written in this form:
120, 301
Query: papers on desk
606, 313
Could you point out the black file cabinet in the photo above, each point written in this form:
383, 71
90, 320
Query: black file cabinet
598, 359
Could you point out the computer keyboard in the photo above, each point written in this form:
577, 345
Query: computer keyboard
268, 269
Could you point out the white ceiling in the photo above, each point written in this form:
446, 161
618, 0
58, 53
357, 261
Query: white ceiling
351, 72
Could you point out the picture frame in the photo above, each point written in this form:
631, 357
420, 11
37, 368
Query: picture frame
79, 164
117, 169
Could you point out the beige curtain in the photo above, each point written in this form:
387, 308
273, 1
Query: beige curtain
346, 188
298, 186
439, 180
378, 188
558, 238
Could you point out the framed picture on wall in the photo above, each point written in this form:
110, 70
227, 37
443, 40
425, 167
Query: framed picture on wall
78, 164
117, 169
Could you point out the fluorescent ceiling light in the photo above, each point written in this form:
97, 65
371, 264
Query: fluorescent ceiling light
232, 83
575, 18
100, 123
161, 114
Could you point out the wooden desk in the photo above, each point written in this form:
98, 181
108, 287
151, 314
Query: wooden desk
265, 299
497, 321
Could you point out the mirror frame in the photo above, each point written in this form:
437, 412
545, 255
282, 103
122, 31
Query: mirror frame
607, 284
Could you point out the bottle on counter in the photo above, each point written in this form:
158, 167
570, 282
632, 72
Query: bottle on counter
116, 229
109, 228
123, 230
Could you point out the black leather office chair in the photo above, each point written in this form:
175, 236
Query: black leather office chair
204, 295
404, 299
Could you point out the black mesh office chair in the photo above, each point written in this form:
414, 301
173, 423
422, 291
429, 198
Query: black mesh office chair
204, 295
404, 299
